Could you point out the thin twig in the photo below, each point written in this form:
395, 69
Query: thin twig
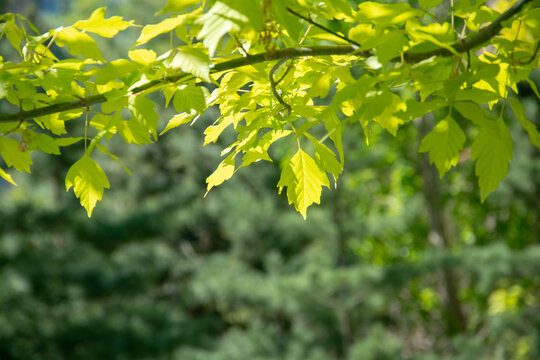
323, 27
532, 57
469, 43
274, 83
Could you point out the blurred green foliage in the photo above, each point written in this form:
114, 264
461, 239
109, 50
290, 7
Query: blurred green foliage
396, 264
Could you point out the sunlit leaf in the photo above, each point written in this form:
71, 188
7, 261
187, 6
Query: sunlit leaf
530, 128
177, 6
192, 61
142, 56
101, 26
4, 175
12, 154
144, 113
304, 181
224, 172
88, 181
78, 43
151, 31
492, 152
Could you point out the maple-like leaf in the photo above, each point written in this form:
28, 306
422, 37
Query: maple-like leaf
443, 144
492, 151
88, 180
304, 181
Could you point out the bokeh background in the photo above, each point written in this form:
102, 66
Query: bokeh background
395, 264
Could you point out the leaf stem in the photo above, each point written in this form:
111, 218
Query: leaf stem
343, 37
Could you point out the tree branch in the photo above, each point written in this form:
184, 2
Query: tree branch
461, 46
470, 42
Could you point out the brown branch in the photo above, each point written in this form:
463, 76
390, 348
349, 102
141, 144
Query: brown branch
288, 53
274, 83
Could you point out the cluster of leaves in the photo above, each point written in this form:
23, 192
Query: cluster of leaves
161, 273
403, 63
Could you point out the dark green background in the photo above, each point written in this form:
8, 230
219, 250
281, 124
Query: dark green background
395, 263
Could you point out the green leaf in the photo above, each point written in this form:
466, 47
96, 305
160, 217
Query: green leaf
284, 18
385, 14
439, 34
106, 151
53, 123
304, 181
479, 96
381, 107
151, 31
320, 87
193, 61
46, 144
177, 6
67, 141
427, 4
224, 171
178, 120
78, 43
492, 152
333, 127
444, 143
104, 27
133, 132
189, 97
325, 158
530, 128
142, 56
260, 152
4, 175
389, 46
476, 114
143, 113
88, 180
115, 70
13, 33
220, 20
13, 156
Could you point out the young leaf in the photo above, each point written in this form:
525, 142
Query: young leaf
381, 108
220, 20
178, 120
325, 158
104, 27
88, 180
46, 144
4, 175
189, 97
13, 156
385, 14
304, 181
142, 56
192, 61
290, 22
426, 4
224, 171
78, 43
177, 6
143, 113
443, 144
106, 151
519, 111
151, 31
492, 152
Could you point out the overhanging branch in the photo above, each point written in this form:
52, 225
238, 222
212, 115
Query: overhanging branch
467, 44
